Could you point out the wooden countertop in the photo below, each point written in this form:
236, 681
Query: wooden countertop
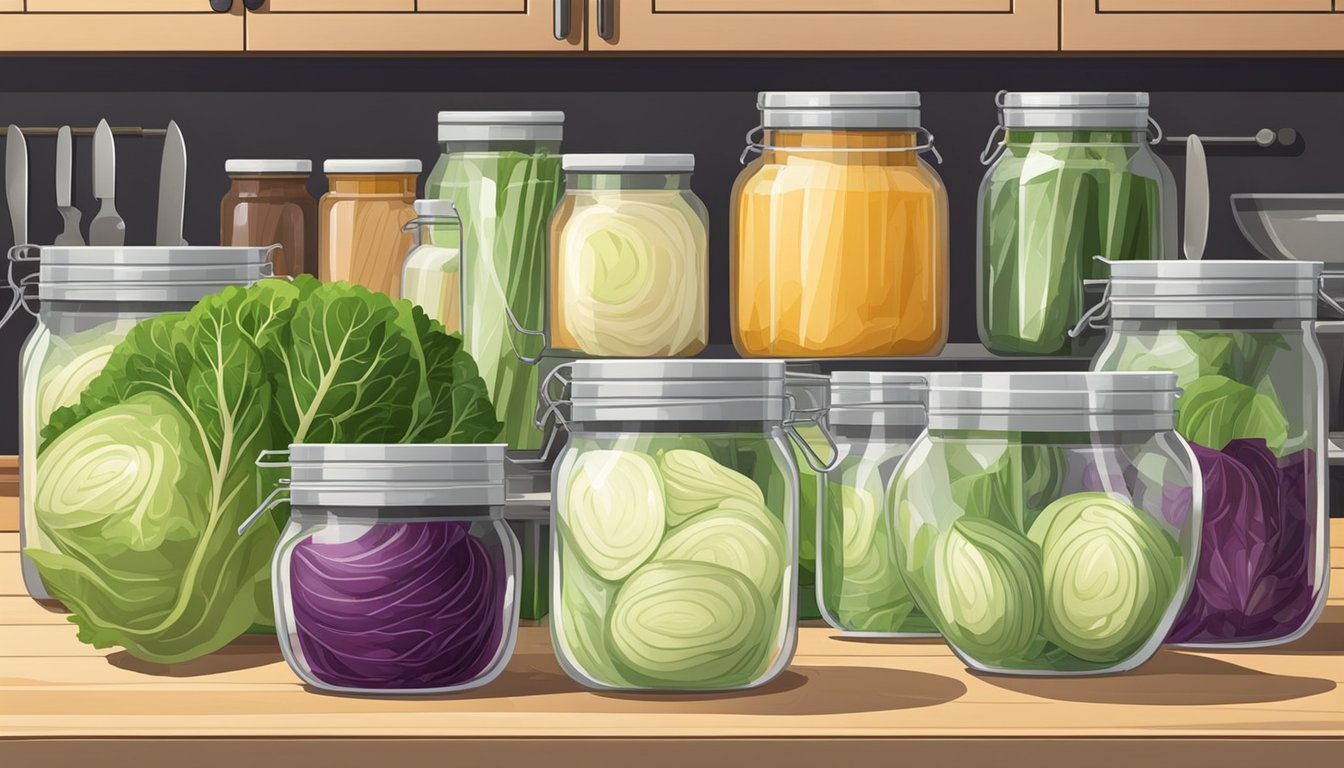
63, 702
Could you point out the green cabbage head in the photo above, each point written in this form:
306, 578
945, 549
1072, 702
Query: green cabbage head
695, 483
987, 584
614, 512
737, 534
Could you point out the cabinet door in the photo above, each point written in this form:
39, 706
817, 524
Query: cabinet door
119, 26
836, 26
423, 26
1270, 26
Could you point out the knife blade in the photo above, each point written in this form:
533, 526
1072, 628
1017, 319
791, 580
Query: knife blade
107, 228
172, 187
70, 215
16, 183
1196, 199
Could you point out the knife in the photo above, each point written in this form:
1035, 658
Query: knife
16, 183
172, 187
64, 171
107, 228
1196, 199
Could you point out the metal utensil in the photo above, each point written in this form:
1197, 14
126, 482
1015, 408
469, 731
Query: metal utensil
1196, 199
107, 228
172, 188
64, 171
16, 183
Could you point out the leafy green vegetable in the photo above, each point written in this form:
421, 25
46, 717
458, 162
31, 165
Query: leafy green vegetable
580, 629
987, 580
737, 534
1111, 574
694, 483
505, 200
614, 510
245, 370
1216, 410
690, 625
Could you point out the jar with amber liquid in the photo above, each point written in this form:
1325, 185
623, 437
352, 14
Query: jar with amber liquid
363, 218
839, 241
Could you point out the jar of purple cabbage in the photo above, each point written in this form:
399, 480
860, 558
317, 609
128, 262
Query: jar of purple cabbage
1240, 336
397, 573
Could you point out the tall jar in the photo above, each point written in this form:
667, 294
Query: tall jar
809, 396
431, 274
90, 298
502, 171
363, 219
676, 510
268, 204
629, 258
396, 573
1241, 338
1048, 523
1073, 178
839, 231
875, 418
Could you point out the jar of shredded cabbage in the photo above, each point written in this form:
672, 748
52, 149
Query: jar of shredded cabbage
397, 573
1048, 523
875, 418
1073, 178
676, 512
629, 258
91, 297
839, 230
1241, 337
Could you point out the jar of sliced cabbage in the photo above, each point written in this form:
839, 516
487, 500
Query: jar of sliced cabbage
676, 509
629, 258
875, 418
1048, 523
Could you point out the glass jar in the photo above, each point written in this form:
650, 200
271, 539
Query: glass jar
809, 396
839, 231
91, 297
363, 219
528, 513
396, 573
1073, 178
875, 418
431, 275
268, 204
629, 258
676, 510
502, 171
1048, 523
1241, 338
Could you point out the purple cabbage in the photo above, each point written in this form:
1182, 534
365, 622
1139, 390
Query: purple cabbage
1255, 576
408, 606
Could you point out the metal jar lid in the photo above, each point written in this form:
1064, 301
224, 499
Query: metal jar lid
396, 475
1064, 110
1052, 402
628, 163
501, 126
677, 390
183, 274
856, 110
1235, 290
872, 398
268, 167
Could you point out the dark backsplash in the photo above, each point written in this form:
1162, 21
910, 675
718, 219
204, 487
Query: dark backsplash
386, 108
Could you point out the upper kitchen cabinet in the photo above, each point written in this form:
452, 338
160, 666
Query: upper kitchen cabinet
1203, 26
120, 26
416, 26
834, 26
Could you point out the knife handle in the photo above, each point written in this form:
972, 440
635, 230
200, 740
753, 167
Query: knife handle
221, 6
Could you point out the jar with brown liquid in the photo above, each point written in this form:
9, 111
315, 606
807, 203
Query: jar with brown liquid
363, 218
268, 203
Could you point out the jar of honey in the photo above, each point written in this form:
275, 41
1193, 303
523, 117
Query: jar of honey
363, 218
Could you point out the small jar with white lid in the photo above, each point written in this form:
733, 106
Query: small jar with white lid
1048, 523
431, 276
396, 573
629, 258
363, 218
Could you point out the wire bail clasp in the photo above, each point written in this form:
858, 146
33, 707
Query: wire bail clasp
278, 495
1098, 314
24, 253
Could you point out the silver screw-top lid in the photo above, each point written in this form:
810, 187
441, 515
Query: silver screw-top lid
853, 110
1065, 110
629, 163
184, 274
1214, 289
525, 126
873, 398
677, 390
397, 475
1052, 402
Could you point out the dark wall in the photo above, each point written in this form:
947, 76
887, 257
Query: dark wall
386, 108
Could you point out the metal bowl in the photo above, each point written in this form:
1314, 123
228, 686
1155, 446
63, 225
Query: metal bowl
1294, 227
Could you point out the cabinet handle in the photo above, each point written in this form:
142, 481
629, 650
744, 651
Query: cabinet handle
561, 19
253, 5
221, 6
606, 19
